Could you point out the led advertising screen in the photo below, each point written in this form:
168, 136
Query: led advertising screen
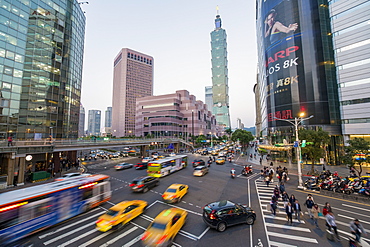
293, 79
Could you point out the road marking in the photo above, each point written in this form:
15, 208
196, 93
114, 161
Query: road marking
182, 208
350, 234
188, 235
308, 192
152, 204
351, 218
204, 232
121, 236
111, 203
362, 209
298, 238
95, 239
296, 228
68, 233
264, 223
347, 211
66, 227
77, 238
273, 243
284, 219
133, 241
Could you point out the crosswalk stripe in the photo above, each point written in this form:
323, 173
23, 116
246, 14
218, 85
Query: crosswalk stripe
68, 233
95, 239
133, 241
298, 238
273, 243
68, 226
281, 218
296, 228
77, 238
119, 237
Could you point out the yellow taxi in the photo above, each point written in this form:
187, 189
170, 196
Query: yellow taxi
164, 227
175, 192
220, 161
214, 152
120, 214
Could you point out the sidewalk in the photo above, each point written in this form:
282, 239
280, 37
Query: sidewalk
342, 170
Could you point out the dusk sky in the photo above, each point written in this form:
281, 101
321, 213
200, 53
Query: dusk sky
177, 35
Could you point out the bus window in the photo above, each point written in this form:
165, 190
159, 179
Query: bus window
9, 218
35, 209
88, 193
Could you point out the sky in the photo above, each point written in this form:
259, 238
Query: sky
177, 35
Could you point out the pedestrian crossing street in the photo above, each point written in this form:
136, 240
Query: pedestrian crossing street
279, 233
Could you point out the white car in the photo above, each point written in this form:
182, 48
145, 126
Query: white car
72, 175
146, 160
172, 154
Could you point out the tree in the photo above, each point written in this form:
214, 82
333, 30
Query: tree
243, 136
316, 141
228, 132
200, 139
356, 146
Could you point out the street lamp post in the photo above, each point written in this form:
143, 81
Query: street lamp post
295, 122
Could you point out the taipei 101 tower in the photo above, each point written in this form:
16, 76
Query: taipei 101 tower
220, 88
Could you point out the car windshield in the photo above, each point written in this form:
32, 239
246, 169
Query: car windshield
137, 182
198, 168
171, 190
159, 226
207, 209
111, 212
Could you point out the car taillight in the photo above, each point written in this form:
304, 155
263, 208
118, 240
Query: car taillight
141, 185
162, 239
99, 221
113, 222
212, 216
145, 236
132, 185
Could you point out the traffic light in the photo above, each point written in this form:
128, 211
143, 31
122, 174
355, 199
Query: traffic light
303, 143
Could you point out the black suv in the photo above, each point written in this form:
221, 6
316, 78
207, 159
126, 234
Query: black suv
220, 215
198, 163
143, 184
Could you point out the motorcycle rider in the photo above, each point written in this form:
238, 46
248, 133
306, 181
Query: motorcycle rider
232, 172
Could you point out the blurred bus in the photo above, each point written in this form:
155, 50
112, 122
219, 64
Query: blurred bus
166, 166
28, 210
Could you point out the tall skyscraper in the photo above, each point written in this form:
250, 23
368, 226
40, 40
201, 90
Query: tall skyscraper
132, 79
208, 97
108, 117
41, 55
350, 32
81, 124
93, 122
220, 87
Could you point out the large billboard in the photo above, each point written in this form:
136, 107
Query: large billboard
292, 77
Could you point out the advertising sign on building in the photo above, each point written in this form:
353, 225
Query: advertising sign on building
293, 66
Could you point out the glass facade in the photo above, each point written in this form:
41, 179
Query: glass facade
41, 57
296, 64
220, 87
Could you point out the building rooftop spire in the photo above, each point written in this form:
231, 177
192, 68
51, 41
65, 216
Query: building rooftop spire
218, 19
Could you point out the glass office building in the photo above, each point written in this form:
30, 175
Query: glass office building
41, 56
220, 86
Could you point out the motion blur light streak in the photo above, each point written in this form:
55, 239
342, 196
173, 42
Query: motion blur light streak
12, 206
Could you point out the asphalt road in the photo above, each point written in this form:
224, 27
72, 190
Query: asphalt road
217, 185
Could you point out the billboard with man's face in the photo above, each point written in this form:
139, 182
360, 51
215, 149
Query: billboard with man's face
293, 78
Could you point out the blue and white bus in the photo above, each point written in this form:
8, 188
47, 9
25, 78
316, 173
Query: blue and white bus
26, 211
